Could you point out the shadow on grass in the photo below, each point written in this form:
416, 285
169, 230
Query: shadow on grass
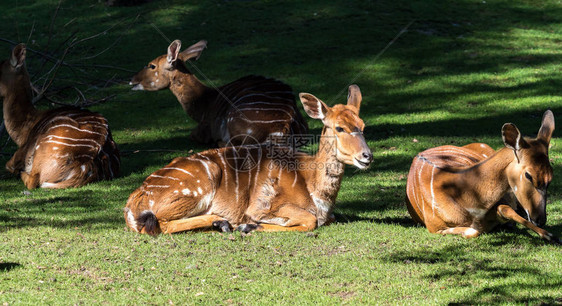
7, 266
80, 208
458, 265
402, 221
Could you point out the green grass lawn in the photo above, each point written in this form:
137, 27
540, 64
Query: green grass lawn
461, 70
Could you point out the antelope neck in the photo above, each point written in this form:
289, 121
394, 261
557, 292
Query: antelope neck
327, 170
193, 95
19, 112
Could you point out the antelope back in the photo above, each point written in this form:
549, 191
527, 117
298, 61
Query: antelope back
531, 173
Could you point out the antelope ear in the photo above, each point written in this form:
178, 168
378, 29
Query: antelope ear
354, 97
512, 137
173, 51
194, 51
18, 56
313, 106
547, 126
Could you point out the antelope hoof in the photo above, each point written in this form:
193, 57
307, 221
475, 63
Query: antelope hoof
552, 239
222, 225
246, 228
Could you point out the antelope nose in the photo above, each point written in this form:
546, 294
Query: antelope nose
368, 156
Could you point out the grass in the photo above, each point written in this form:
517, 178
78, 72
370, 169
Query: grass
461, 71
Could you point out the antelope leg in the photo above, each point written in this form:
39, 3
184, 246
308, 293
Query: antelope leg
508, 213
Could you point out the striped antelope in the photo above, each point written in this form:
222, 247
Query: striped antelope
461, 191
58, 148
253, 105
209, 190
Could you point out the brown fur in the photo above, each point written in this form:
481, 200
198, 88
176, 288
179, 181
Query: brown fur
454, 190
253, 105
193, 192
59, 148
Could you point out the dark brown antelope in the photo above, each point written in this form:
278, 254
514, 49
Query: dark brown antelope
58, 148
465, 190
281, 192
253, 105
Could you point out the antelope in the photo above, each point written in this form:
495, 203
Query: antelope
466, 191
213, 189
250, 106
58, 148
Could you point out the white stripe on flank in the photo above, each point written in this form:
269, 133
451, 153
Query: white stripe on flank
263, 121
266, 103
68, 144
242, 108
72, 139
225, 171
179, 169
258, 170
157, 186
73, 127
421, 191
236, 98
432, 192
207, 169
164, 177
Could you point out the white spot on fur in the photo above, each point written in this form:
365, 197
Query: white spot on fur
482, 145
83, 168
485, 156
205, 202
55, 148
175, 191
515, 188
151, 203
186, 191
131, 220
195, 193
47, 185
470, 232
151, 83
198, 181
321, 204
200, 190
478, 213
37, 147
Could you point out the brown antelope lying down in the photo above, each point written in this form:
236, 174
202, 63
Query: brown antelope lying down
464, 190
253, 105
282, 192
59, 148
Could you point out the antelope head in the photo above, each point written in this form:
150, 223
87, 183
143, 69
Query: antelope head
343, 123
530, 173
12, 71
160, 72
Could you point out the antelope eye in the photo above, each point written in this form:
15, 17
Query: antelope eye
529, 177
339, 129
152, 66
